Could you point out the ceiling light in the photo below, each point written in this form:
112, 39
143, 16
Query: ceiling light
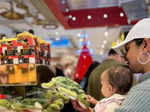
105, 41
106, 33
73, 18
105, 16
67, 10
101, 52
78, 34
63, 1
70, 16
121, 14
89, 17
5, 61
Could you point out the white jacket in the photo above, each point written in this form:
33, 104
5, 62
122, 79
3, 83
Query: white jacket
109, 104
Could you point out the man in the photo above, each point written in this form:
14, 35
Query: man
94, 85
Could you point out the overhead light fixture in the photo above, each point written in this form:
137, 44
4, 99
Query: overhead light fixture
78, 34
63, 1
105, 16
121, 14
67, 10
73, 18
105, 41
89, 17
106, 33
70, 16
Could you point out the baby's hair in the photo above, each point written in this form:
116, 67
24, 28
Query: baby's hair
121, 78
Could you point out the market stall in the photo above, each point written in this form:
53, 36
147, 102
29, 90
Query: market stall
20, 58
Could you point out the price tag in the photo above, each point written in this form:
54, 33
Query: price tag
4, 49
46, 53
19, 48
32, 60
15, 61
43, 61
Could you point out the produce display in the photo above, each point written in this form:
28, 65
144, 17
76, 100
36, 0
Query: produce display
19, 58
54, 95
24, 48
65, 88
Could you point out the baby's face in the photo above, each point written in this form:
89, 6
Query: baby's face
106, 87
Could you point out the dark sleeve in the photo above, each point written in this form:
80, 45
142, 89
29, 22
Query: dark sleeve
89, 88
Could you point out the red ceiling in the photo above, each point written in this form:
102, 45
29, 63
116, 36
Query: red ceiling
79, 18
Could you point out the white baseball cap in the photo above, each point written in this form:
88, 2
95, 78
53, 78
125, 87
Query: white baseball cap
139, 30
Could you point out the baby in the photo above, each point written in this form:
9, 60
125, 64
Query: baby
116, 82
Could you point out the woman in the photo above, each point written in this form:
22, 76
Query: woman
136, 48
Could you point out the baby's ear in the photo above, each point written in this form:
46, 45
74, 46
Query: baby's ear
112, 89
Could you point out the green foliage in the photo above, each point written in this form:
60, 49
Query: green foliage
57, 92
65, 89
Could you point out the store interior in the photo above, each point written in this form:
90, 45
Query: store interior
72, 19
72, 28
